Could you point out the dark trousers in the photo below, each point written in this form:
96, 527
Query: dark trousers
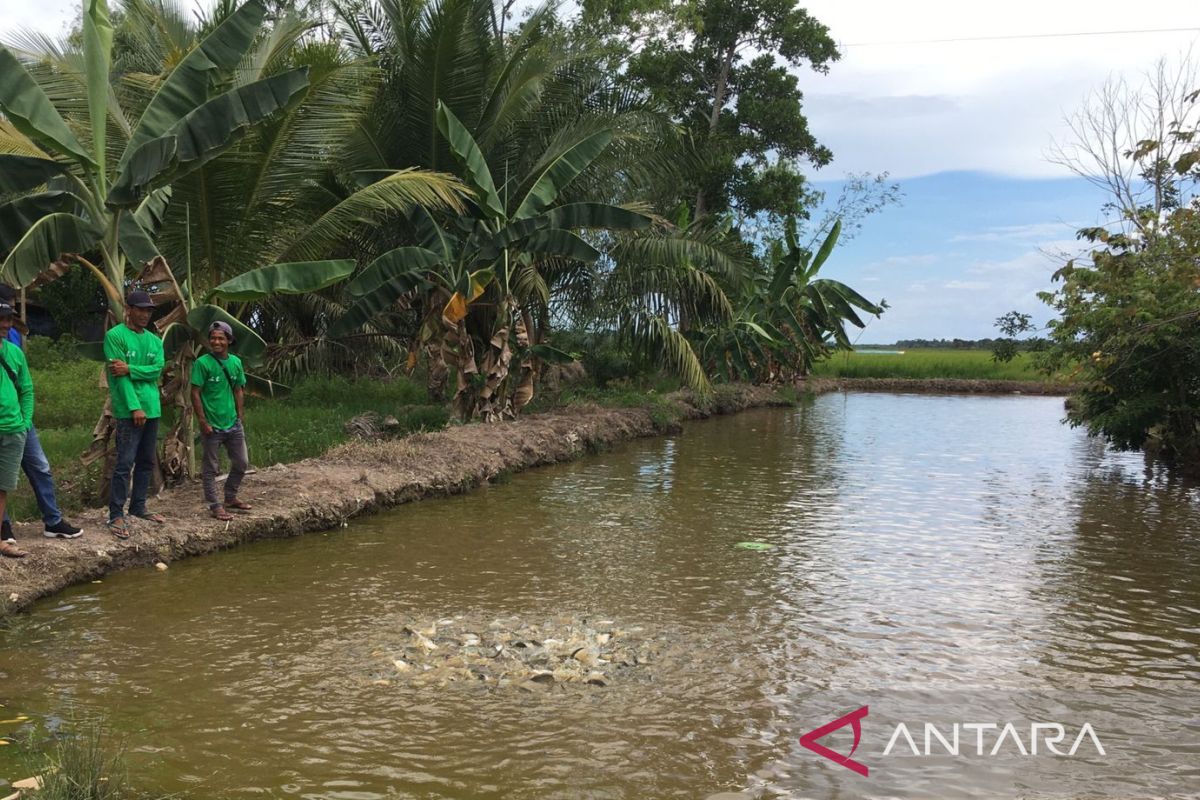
135, 453
234, 442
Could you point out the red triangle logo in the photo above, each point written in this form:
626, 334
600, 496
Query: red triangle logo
854, 720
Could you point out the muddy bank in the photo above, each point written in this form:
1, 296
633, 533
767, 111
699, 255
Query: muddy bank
352, 479
935, 386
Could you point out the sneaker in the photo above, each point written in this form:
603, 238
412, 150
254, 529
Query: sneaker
62, 530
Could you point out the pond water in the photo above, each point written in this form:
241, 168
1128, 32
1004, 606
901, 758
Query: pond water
954, 561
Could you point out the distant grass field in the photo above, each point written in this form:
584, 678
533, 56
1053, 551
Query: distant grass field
969, 364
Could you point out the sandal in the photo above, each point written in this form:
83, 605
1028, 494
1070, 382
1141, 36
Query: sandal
149, 517
220, 513
119, 528
9, 549
238, 504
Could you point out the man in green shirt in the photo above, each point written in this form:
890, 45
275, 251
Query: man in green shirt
135, 363
218, 395
16, 417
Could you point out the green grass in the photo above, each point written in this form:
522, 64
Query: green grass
305, 424
929, 364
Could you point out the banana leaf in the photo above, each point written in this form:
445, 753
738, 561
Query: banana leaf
45, 242
403, 263
470, 157
20, 215
247, 344
22, 173
561, 170
382, 283
152, 210
97, 57
176, 336
205, 133
291, 278
558, 242
137, 244
188, 84
826, 247
30, 111
519, 230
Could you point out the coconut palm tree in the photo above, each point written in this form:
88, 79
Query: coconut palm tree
554, 152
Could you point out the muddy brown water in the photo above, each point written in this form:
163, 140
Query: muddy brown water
943, 560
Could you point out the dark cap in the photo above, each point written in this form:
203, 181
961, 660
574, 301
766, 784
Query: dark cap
139, 299
6, 310
7, 293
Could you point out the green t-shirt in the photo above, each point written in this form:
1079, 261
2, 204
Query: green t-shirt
216, 395
143, 352
16, 407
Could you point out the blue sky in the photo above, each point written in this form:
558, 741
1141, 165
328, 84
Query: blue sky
965, 128
962, 249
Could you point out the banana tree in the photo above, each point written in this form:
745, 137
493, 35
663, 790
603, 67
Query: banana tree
74, 200
787, 318
480, 276
79, 199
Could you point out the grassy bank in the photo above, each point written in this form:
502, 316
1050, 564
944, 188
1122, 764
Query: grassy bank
929, 364
305, 424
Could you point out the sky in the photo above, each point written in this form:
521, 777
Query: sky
964, 127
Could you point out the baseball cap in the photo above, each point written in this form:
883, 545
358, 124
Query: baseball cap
223, 327
139, 299
6, 310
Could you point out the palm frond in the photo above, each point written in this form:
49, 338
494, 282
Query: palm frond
654, 337
396, 193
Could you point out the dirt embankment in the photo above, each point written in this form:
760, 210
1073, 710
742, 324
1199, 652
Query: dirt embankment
352, 479
935, 386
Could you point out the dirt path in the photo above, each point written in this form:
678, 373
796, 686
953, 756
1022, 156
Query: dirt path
320, 494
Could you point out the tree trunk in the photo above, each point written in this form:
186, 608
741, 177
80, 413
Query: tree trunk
719, 92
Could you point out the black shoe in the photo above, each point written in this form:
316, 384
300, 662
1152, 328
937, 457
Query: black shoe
62, 530
6, 530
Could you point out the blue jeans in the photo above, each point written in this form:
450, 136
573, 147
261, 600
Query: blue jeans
37, 469
135, 453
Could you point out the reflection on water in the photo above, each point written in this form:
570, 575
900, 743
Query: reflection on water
932, 557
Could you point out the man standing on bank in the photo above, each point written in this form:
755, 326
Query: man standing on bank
16, 418
135, 363
33, 461
218, 396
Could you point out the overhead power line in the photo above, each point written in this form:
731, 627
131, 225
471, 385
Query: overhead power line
1023, 36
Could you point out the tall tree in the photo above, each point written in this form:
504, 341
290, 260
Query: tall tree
724, 69
1122, 141
1129, 316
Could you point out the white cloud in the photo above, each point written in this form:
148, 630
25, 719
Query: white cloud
1041, 262
1005, 233
915, 108
913, 260
971, 286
